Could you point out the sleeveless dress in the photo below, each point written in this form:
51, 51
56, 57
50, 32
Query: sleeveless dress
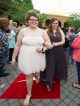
29, 60
56, 65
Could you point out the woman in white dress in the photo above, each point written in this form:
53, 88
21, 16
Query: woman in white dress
29, 45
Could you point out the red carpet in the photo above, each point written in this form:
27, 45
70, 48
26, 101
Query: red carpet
17, 90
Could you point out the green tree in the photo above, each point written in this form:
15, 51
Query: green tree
18, 8
74, 20
5, 6
22, 6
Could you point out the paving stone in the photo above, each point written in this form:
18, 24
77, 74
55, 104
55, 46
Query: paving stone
69, 95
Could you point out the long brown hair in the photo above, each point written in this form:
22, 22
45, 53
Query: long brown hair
50, 27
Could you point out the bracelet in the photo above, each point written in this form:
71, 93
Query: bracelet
43, 50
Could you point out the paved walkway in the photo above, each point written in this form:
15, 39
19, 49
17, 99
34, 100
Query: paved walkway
69, 95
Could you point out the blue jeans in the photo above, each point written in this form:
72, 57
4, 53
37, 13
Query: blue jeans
78, 71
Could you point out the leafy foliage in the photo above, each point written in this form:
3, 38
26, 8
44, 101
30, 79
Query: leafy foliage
5, 6
22, 7
17, 10
74, 20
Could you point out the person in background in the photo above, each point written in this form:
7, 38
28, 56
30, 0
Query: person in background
70, 36
10, 18
78, 32
4, 47
29, 46
65, 27
76, 56
47, 22
15, 25
12, 41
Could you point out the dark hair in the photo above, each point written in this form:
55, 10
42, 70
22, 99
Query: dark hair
27, 17
72, 30
50, 26
9, 17
47, 22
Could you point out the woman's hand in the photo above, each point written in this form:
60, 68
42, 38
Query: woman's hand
48, 45
39, 50
13, 62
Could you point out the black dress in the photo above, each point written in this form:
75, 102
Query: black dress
56, 65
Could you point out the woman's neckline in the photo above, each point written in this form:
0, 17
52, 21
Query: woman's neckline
33, 29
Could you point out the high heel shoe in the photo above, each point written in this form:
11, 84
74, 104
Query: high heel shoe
48, 87
27, 100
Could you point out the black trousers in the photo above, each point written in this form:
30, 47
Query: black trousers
78, 71
1, 67
10, 53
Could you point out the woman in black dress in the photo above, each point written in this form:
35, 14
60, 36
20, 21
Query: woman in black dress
55, 58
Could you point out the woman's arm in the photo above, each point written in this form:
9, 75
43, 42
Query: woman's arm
18, 45
47, 43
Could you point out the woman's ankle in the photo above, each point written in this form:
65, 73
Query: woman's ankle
29, 95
